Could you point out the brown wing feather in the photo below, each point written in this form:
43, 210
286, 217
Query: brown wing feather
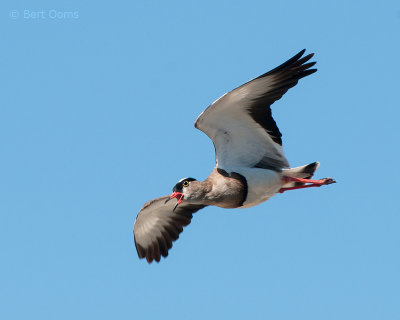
158, 225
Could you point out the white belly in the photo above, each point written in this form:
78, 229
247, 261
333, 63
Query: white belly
262, 184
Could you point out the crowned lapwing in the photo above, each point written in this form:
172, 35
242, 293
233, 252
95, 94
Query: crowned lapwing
250, 165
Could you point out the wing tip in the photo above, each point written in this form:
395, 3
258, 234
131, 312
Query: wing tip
299, 54
152, 243
297, 61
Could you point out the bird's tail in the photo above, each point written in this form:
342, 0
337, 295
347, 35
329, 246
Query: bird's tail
305, 172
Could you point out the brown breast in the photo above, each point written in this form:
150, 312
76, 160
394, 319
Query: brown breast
226, 190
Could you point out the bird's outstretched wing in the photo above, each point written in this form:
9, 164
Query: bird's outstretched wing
157, 225
240, 123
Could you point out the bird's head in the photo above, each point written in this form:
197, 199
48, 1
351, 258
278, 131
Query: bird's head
183, 189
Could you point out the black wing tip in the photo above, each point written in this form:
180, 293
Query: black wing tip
299, 54
140, 251
297, 62
308, 65
306, 73
153, 253
151, 257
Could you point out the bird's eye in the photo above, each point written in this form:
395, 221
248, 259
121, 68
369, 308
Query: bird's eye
185, 183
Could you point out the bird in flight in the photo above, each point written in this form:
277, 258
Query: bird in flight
250, 166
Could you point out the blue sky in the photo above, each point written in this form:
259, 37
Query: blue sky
97, 105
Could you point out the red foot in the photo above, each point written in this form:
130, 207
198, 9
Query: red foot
312, 183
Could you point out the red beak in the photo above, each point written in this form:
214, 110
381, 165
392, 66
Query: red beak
177, 195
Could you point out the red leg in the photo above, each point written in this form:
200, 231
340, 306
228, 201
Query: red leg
312, 183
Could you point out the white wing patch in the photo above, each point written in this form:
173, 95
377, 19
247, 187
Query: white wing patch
239, 141
240, 122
